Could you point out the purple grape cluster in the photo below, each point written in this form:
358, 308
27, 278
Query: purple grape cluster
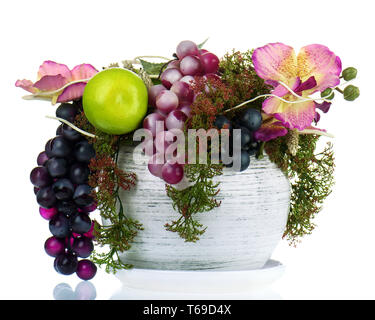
61, 186
172, 101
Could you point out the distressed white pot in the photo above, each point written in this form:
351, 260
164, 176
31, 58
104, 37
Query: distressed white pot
241, 234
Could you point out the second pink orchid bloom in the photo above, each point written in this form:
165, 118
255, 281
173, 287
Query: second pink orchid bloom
57, 82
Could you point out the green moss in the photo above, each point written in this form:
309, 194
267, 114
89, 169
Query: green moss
311, 177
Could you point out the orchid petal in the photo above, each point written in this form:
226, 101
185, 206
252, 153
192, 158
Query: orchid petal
83, 71
323, 106
293, 116
281, 90
72, 92
317, 117
317, 131
272, 83
275, 61
26, 85
318, 61
51, 68
270, 130
310, 83
50, 83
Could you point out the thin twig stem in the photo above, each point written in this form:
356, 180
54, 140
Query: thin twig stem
73, 126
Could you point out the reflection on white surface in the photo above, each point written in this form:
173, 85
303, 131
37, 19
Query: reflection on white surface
209, 284
84, 290
126, 293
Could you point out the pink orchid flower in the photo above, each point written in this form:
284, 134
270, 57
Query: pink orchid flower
57, 82
273, 128
316, 68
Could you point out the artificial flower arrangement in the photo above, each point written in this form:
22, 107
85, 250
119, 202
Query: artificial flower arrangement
264, 101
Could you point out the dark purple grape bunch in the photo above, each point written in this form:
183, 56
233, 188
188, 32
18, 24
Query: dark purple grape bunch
172, 100
65, 198
248, 122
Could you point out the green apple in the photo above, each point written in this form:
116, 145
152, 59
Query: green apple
115, 101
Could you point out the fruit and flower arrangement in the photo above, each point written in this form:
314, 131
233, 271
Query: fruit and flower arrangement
226, 112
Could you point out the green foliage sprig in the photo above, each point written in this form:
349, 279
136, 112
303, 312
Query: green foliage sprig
107, 179
311, 178
199, 197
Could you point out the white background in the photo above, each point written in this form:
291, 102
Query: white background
336, 262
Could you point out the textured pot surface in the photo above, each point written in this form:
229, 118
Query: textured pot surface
241, 234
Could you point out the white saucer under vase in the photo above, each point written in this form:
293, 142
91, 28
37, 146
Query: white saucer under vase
241, 234
149, 283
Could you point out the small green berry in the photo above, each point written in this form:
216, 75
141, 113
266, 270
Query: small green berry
349, 73
351, 93
327, 94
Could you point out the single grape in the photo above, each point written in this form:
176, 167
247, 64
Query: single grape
84, 151
163, 139
251, 119
222, 122
167, 101
79, 173
153, 92
188, 79
67, 208
57, 167
66, 263
47, 214
253, 148
83, 247
70, 134
59, 226
59, 130
69, 241
63, 291
191, 66
46, 197
183, 91
210, 62
170, 76
172, 173
54, 246
185, 108
48, 149
89, 234
81, 223
60, 147
176, 120
154, 166
85, 290
40, 177
87, 209
63, 189
82, 195
151, 123
173, 64
244, 137
42, 158
161, 113
67, 111
245, 160
186, 48
148, 147
86, 269
36, 189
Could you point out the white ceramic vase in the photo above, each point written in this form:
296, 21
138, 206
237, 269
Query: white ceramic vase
241, 234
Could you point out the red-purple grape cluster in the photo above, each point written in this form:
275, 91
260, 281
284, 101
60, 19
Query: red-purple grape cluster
61, 186
172, 100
